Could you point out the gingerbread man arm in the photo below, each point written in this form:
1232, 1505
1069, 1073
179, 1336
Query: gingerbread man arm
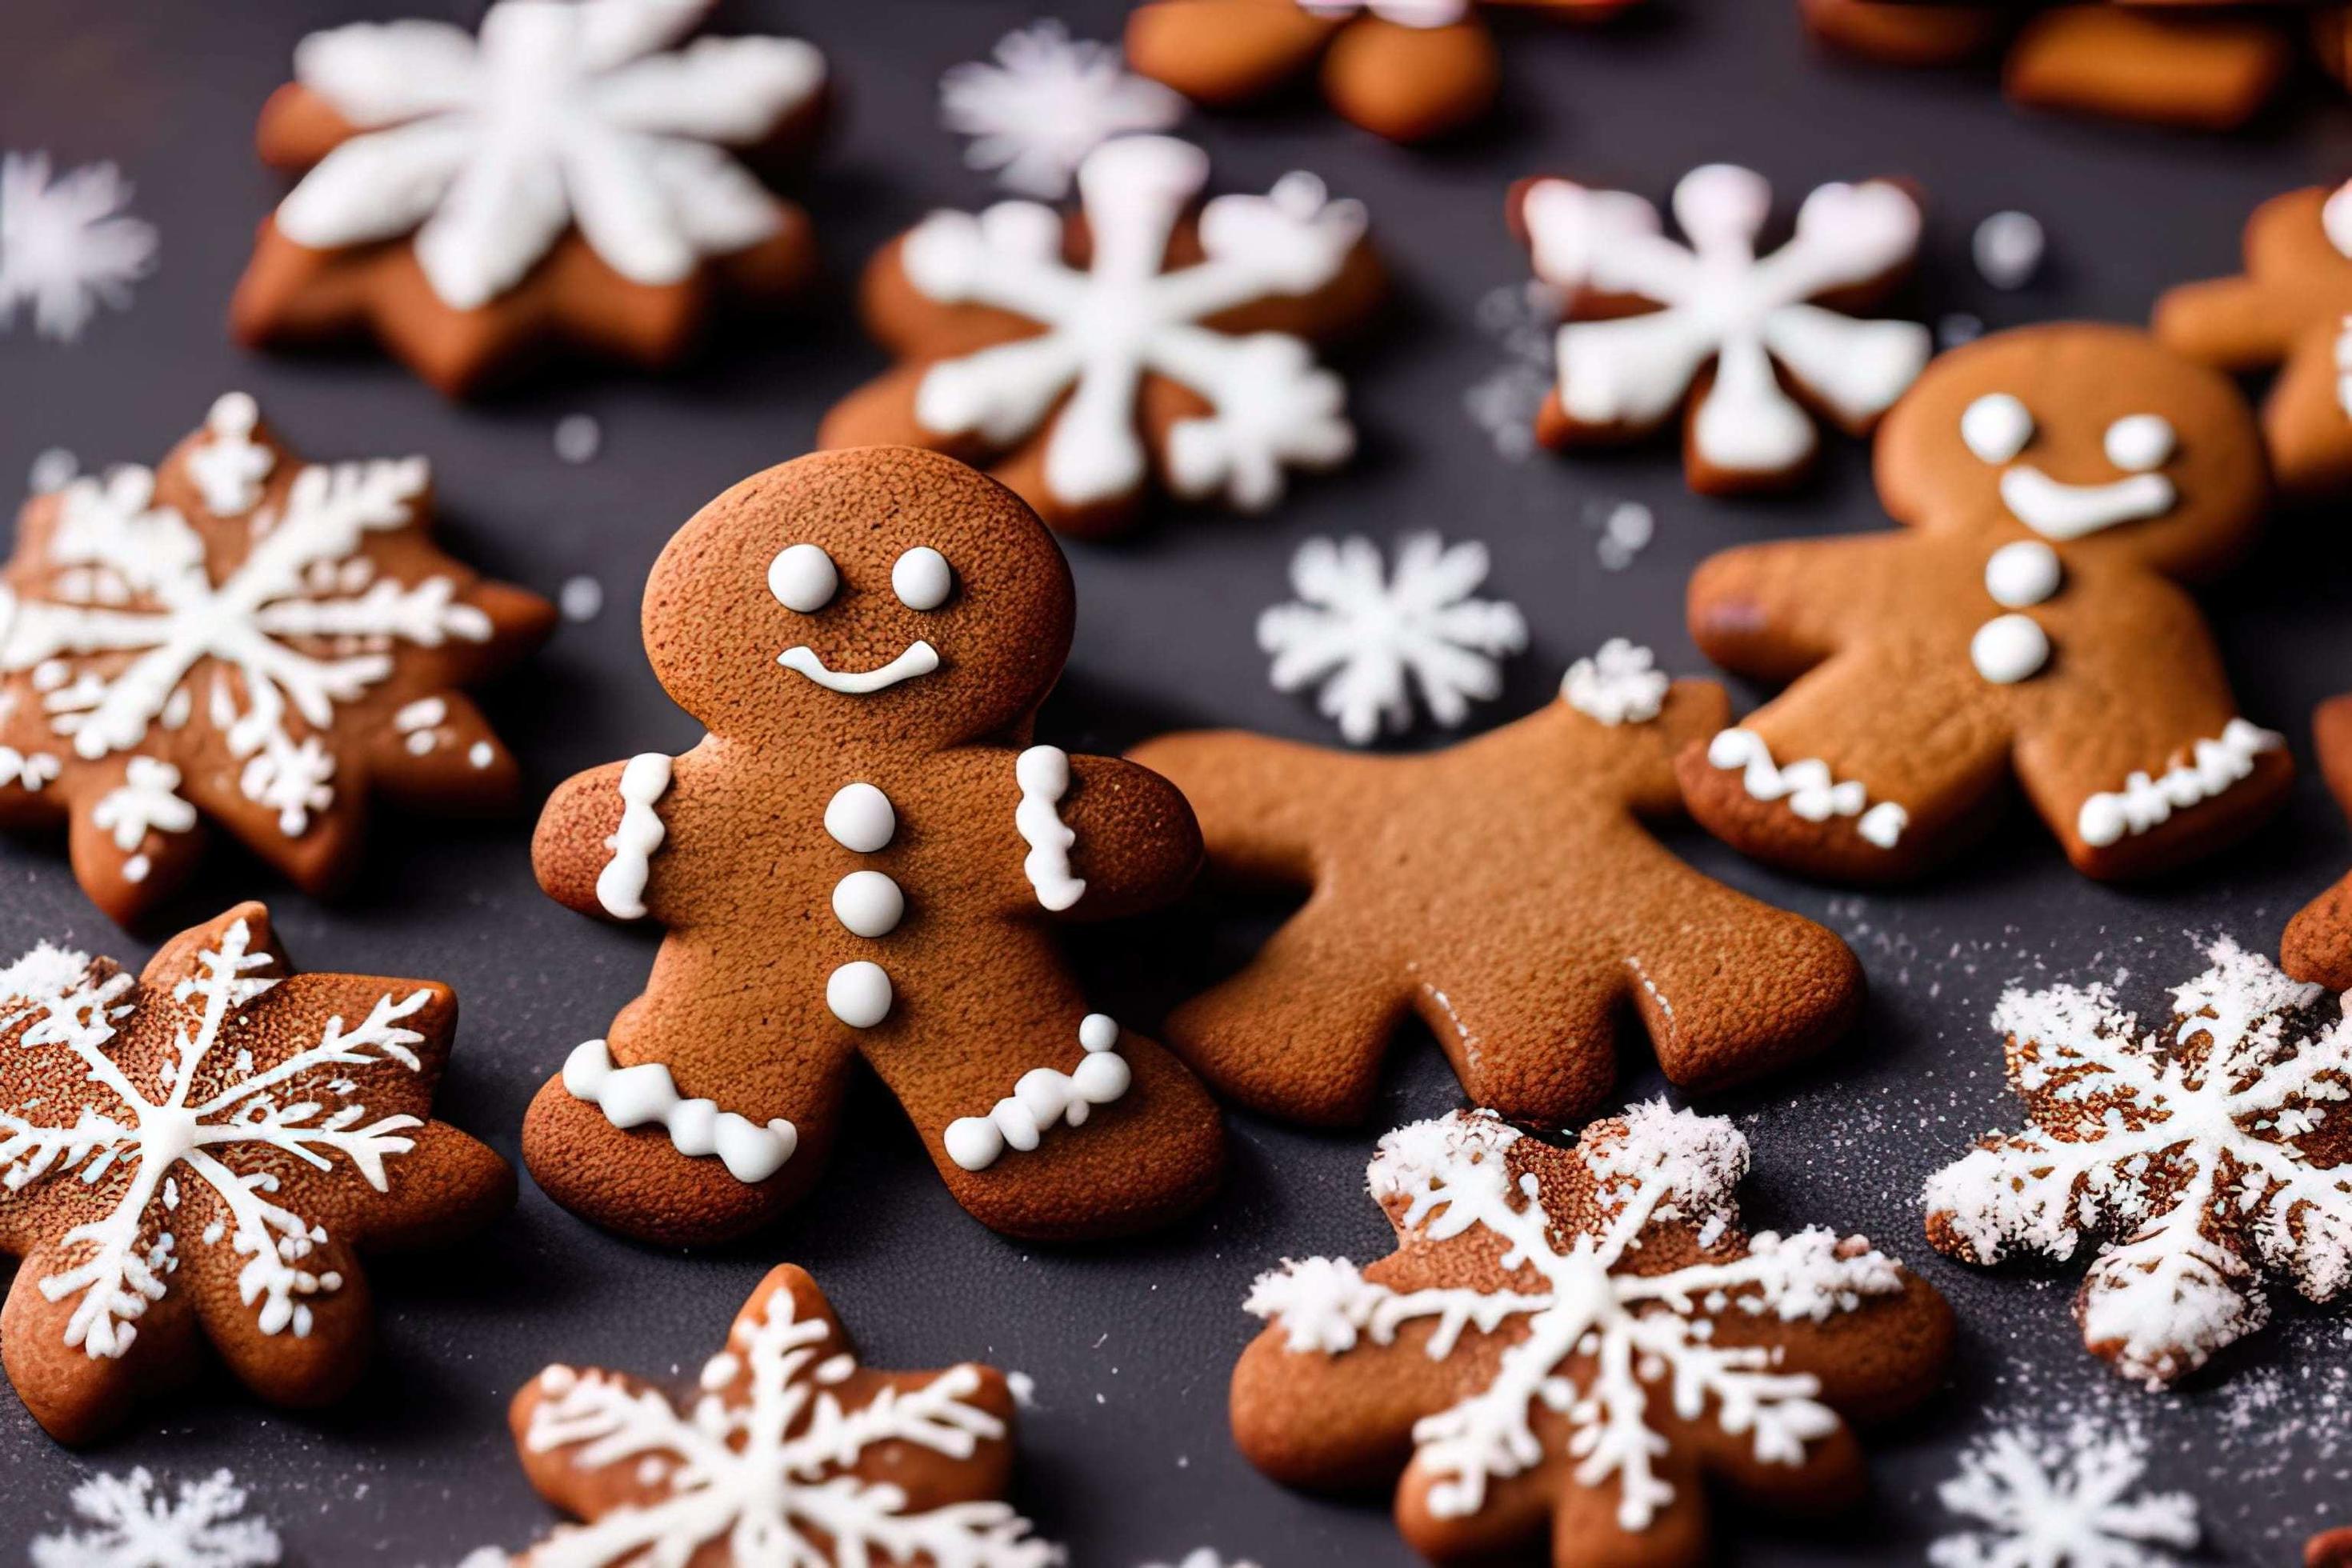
595, 849
1759, 611
2252, 319
2317, 946
1137, 845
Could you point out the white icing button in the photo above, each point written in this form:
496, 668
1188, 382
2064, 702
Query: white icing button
922, 578
802, 578
859, 818
2023, 574
859, 993
2139, 442
1097, 1032
868, 903
2010, 648
1995, 427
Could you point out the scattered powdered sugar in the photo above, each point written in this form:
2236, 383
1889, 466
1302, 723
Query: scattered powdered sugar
53, 469
581, 598
1626, 528
2008, 248
1504, 401
1024, 1388
579, 437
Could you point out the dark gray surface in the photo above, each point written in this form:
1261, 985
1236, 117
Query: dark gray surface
1126, 1455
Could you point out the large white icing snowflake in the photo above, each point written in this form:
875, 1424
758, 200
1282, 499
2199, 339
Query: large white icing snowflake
1721, 302
133, 1526
2202, 1160
2062, 1502
1271, 405
66, 247
561, 113
186, 1135
1370, 637
1046, 101
1600, 1339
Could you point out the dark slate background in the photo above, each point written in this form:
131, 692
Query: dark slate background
1125, 1454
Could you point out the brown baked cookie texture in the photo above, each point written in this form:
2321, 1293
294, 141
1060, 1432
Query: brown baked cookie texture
2318, 942
2287, 311
192, 1156
1135, 345
1508, 893
2329, 1549
1570, 1344
574, 175
1406, 69
786, 1450
2058, 486
866, 859
1709, 328
240, 637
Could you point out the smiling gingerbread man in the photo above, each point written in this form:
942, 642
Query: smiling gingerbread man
2058, 485
862, 859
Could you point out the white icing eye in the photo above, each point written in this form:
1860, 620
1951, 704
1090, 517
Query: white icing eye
1995, 427
2139, 442
802, 578
922, 578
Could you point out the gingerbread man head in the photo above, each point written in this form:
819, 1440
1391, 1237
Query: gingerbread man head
919, 598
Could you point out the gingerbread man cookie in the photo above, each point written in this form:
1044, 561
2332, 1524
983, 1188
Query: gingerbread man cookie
1091, 357
242, 637
2058, 486
570, 175
1406, 69
864, 860
191, 1156
2318, 942
2291, 311
2329, 1549
1506, 891
1568, 1344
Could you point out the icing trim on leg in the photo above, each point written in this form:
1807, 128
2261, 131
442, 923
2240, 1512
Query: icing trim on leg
2145, 803
1808, 787
1042, 1098
645, 1093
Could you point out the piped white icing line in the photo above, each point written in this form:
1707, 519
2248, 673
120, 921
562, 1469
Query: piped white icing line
1808, 786
1043, 1096
1617, 685
2056, 510
1404, 13
646, 1095
858, 817
2008, 649
920, 658
1044, 775
146, 800
228, 466
621, 885
2145, 802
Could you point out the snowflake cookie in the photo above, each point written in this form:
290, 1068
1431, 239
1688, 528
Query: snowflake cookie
1570, 1341
1091, 355
2200, 1156
66, 246
1044, 102
240, 636
1706, 323
131, 1525
1406, 69
787, 1452
2068, 1501
195, 1153
1509, 893
2058, 486
2317, 946
570, 175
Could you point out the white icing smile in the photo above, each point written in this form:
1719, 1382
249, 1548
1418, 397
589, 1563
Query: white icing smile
921, 658
2056, 510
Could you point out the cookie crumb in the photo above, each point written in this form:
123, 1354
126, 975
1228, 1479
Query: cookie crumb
578, 438
581, 598
2008, 248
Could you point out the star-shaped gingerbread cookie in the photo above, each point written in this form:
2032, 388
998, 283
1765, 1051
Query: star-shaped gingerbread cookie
1508, 893
242, 637
193, 1155
2317, 946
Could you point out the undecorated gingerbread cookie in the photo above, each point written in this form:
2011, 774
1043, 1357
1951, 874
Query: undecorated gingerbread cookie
2318, 942
1570, 1344
1138, 343
2329, 1549
1506, 891
866, 859
2058, 486
191, 1156
575, 174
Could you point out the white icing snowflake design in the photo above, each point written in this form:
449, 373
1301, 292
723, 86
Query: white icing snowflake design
1044, 103
133, 1526
1600, 1340
182, 1147
2062, 1502
1618, 685
1720, 301
561, 113
2203, 1159
66, 247
1370, 637
1271, 405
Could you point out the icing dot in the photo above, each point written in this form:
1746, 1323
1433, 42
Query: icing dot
922, 578
973, 1142
2008, 248
578, 438
581, 598
2139, 442
802, 578
2022, 573
859, 993
868, 903
859, 818
2010, 648
1995, 427
1097, 1032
